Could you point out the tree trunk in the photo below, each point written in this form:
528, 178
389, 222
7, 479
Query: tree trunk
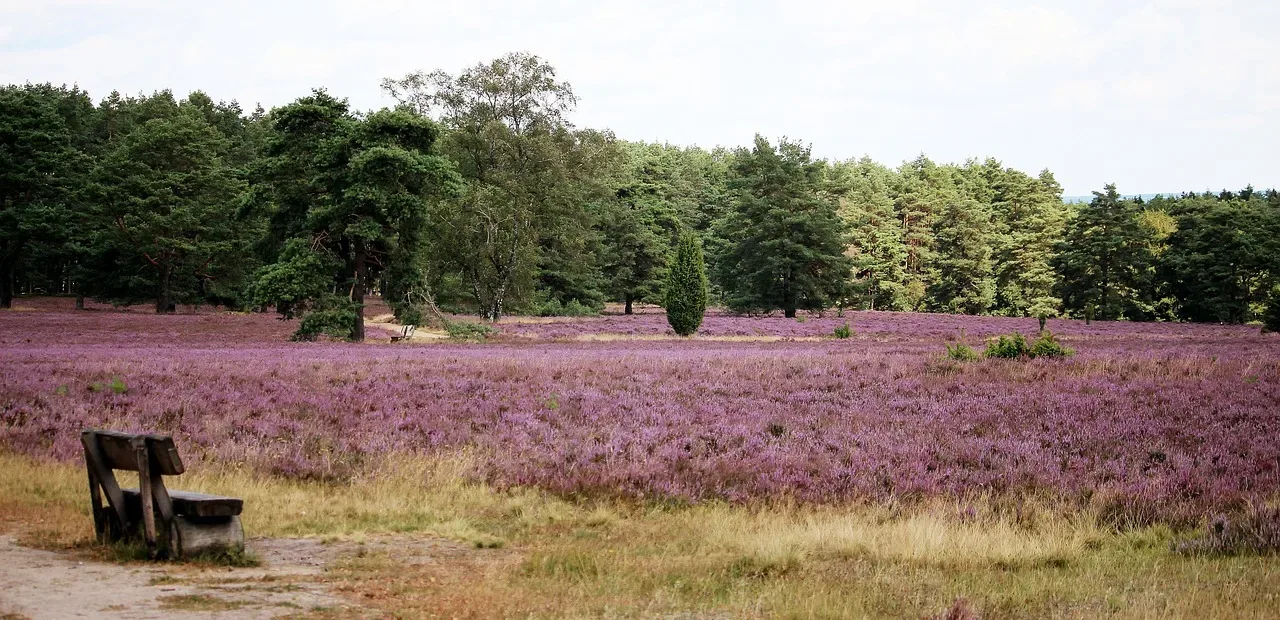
628, 308
162, 295
357, 294
6, 284
788, 300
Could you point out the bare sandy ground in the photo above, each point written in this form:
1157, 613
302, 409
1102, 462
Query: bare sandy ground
40, 585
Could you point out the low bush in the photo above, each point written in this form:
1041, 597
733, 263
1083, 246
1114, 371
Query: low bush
571, 308
467, 330
843, 331
332, 316
1048, 346
1014, 346
961, 352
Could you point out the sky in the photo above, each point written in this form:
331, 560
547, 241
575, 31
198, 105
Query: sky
1159, 96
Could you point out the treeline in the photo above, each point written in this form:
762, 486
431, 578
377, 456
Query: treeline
477, 194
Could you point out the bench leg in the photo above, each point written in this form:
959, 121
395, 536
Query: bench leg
144, 492
95, 500
193, 536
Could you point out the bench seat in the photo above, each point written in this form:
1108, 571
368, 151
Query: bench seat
191, 504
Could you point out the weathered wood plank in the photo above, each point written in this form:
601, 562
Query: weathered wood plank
117, 450
143, 459
190, 537
105, 479
189, 504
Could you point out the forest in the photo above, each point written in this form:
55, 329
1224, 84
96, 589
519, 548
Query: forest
477, 194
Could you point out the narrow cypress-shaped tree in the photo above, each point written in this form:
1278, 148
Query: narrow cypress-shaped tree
686, 294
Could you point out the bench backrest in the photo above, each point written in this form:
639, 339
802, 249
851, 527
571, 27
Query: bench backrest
117, 451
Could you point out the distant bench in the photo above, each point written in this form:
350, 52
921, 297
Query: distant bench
406, 333
187, 523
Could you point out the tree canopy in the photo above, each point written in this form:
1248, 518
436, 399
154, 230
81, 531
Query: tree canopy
477, 194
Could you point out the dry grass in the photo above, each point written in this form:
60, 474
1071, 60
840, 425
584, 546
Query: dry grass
580, 559
198, 602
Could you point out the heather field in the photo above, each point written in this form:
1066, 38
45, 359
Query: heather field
752, 470
1151, 422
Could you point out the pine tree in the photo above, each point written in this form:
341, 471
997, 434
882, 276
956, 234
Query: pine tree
876, 246
1027, 223
785, 241
920, 191
166, 209
355, 191
1105, 260
686, 294
964, 281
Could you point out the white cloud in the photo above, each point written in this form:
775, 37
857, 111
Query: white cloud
1155, 95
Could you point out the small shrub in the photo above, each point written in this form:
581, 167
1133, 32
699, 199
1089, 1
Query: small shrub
467, 330
332, 316
961, 352
571, 308
117, 386
843, 331
1012, 346
1047, 346
800, 318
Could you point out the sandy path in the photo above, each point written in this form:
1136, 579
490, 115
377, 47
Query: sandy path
39, 584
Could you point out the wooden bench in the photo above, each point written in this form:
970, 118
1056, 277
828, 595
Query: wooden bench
172, 523
406, 333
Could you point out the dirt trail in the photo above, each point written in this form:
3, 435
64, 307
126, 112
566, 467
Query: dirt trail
39, 584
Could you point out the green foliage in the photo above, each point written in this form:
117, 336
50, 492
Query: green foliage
573, 307
116, 386
467, 330
1106, 260
1271, 315
329, 315
44, 135
1012, 346
301, 276
686, 291
1220, 256
1047, 346
520, 224
843, 331
351, 190
163, 208
964, 280
785, 241
144, 198
876, 237
961, 352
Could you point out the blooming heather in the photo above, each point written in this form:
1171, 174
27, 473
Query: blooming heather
1163, 418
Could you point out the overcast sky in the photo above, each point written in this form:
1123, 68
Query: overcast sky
1158, 96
